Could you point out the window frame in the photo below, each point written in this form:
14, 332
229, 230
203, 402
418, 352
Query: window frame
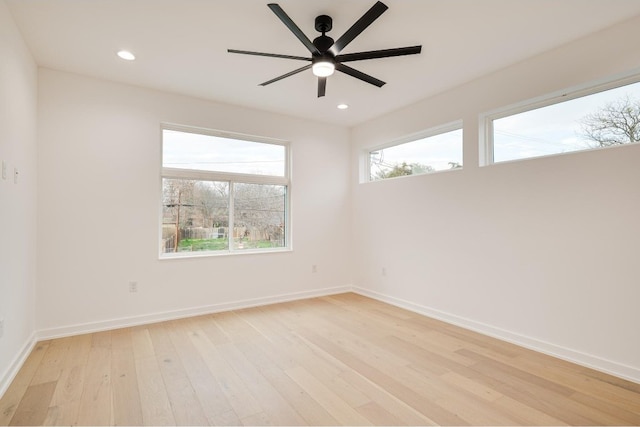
424, 134
231, 178
485, 120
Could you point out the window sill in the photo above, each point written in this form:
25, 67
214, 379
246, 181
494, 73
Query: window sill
209, 254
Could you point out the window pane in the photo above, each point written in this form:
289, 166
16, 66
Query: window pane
258, 216
603, 119
434, 153
195, 215
186, 150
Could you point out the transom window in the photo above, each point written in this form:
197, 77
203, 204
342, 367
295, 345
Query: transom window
222, 193
582, 120
434, 150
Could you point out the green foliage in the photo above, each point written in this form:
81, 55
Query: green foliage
204, 244
404, 169
398, 170
259, 244
221, 244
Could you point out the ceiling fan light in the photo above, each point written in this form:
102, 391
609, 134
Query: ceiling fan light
323, 68
126, 55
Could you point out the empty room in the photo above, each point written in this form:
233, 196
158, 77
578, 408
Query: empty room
407, 212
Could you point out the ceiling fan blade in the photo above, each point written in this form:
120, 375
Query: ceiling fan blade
374, 54
360, 25
293, 27
289, 74
359, 75
273, 55
322, 86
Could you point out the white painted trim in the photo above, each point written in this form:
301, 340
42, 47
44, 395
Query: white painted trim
245, 178
608, 366
11, 372
223, 134
230, 177
423, 134
365, 161
486, 119
90, 327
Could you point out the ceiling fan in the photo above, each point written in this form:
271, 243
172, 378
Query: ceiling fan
325, 52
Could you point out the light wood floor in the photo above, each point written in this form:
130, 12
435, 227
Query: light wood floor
337, 360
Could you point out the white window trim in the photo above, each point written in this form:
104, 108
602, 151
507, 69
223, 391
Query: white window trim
485, 120
433, 131
231, 178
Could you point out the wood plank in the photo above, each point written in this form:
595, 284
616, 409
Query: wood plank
390, 381
258, 419
96, 407
186, 407
471, 386
50, 367
426, 386
215, 405
65, 403
310, 410
548, 401
387, 401
524, 414
620, 383
208, 325
273, 404
154, 401
518, 373
60, 414
338, 408
297, 353
233, 388
34, 405
234, 327
319, 364
11, 399
618, 409
127, 408
378, 415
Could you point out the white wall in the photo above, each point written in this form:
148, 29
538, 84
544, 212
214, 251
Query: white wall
18, 86
99, 201
543, 252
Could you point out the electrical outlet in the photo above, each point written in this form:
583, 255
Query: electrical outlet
1, 327
384, 271
15, 175
133, 287
4, 170
314, 268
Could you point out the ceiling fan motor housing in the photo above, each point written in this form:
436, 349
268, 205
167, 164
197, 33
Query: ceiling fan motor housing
323, 43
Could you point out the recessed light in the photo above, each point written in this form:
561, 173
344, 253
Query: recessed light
126, 55
342, 106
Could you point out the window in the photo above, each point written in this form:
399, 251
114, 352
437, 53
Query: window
222, 193
582, 120
436, 150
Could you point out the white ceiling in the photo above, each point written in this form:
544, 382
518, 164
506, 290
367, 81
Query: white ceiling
181, 45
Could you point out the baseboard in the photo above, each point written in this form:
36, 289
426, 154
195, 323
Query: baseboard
90, 327
16, 364
616, 369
